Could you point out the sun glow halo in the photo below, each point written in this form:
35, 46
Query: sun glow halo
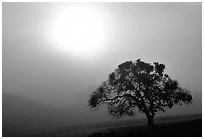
79, 31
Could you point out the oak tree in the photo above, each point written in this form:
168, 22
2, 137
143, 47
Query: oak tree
139, 86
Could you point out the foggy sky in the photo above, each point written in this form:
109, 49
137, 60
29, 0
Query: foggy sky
169, 33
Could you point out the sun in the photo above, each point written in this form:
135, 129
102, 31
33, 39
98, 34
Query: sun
79, 31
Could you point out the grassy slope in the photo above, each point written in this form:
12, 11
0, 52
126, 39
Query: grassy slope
170, 126
191, 128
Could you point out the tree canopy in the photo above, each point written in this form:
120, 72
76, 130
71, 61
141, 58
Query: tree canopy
139, 85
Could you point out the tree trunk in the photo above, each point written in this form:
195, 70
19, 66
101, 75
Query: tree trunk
150, 121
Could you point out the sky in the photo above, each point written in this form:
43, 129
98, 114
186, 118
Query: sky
34, 67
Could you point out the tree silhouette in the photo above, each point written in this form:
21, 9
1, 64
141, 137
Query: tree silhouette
139, 85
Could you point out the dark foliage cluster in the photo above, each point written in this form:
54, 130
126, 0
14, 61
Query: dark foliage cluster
139, 85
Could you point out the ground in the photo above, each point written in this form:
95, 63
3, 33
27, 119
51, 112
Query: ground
169, 126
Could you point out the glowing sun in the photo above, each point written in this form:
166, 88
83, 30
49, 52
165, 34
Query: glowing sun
80, 31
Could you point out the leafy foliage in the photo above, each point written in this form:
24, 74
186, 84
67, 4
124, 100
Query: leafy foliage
139, 84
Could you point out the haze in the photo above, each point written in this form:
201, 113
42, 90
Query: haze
52, 88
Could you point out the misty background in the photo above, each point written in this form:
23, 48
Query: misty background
43, 88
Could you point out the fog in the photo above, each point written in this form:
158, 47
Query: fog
42, 86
